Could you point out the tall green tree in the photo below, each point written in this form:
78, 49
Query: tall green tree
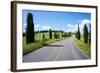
89, 33
85, 34
30, 34
55, 35
50, 34
43, 36
78, 33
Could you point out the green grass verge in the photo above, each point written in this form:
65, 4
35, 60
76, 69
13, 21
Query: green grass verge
86, 48
37, 44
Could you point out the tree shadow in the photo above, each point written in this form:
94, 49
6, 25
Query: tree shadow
55, 45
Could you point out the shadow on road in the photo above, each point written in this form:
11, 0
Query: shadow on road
55, 45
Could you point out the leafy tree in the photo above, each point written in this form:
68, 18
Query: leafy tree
69, 34
50, 34
55, 35
85, 35
63, 34
30, 35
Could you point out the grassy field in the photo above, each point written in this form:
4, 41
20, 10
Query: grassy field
86, 48
39, 42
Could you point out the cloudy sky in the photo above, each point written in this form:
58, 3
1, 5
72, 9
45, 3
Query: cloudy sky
66, 21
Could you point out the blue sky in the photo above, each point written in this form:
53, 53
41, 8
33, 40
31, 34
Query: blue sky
56, 20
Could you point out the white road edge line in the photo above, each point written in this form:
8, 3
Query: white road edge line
57, 54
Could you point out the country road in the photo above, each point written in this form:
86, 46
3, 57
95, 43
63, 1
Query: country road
58, 51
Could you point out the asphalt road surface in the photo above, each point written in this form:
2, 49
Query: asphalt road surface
58, 51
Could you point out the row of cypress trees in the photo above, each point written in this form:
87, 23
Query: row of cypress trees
86, 34
56, 35
30, 33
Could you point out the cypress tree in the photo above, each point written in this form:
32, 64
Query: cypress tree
55, 35
85, 35
58, 35
78, 33
43, 36
50, 34
30, 35
90, 34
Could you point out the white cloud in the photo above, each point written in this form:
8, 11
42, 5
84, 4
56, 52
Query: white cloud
71, 27
37, 25
86, 21
83, 22
46, 27
74, 27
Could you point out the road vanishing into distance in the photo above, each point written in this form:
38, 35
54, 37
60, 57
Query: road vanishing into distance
59, 51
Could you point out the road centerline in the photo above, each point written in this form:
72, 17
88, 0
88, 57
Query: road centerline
58, 54
58, 51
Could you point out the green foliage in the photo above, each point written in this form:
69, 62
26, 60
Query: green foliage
39, 36
23, 34
85, 35
36, 45
78, 34
30, 47
68, 34
30, 36
41, 39
56, 35
86, 48
63, 35
44, 37
50, 34
89, 34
